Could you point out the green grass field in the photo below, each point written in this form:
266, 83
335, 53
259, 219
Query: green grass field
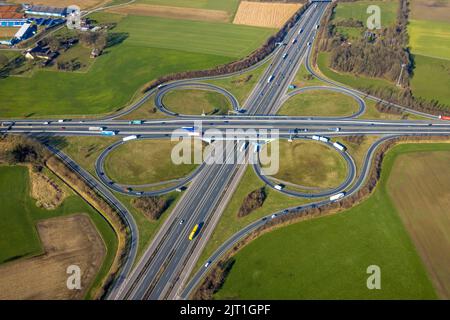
225, 5
310, 164
19, 214
304, 79
430, 45
319, 103
431, 79
430, 38
327, 258
154, 47
357, 11
145, 161
241, 85
195, 102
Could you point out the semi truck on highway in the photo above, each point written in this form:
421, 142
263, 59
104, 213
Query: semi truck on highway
136, 122
270, 79
444, 117
339, 146
108, 133
337, 196
320, 138
96, 128
129, 138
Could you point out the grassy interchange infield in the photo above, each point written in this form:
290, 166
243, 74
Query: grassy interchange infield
242, 84
310, 164
171, 46
19, 214
145, 161
319, 103
321, 261
195, 102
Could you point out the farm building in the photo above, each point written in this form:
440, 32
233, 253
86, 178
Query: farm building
27, 30
10, 16
45, 11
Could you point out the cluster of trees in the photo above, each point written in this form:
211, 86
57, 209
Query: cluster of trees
382, 57
214, 280
22, 150
97, 40
152, 207
252, 201
70, 65
256, 56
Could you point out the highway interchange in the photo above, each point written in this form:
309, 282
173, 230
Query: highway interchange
163, 270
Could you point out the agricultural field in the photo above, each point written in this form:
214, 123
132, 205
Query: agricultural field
420, 193
432, 10
229, 6
65, 240
431, 79
113, 79
429, 39
357, 11
271, 15
261, 271
18, 234
145, 162
140, 9
195, 102
319, 103
310, 164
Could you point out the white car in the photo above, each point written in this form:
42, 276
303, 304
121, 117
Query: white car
273, 216
181, 221
207, 264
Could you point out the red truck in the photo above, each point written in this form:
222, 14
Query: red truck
444, 117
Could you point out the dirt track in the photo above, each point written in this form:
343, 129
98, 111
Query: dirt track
71, 240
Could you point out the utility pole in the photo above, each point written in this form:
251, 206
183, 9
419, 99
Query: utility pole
400, 76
